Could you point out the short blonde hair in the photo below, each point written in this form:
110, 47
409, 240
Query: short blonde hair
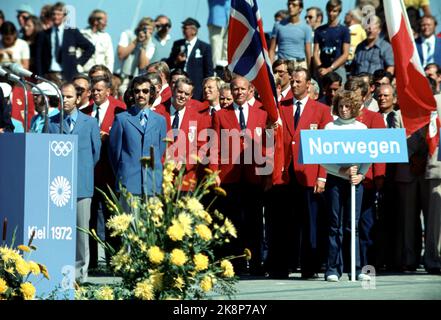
352, 99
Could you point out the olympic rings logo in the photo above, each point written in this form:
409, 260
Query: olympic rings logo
61, 148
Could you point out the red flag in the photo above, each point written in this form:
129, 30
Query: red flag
248, 57
417, 104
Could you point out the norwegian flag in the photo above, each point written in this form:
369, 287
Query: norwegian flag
248, 57
417, 104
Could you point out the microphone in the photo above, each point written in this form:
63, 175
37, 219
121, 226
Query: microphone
22, 72
9, 75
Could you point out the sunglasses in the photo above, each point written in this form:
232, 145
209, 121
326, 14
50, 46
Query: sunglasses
160, 26
309, 17
145, 91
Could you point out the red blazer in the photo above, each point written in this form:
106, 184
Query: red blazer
372, 120
166, 95
18, 104
314, 113
187, 143
103, 171
233, 170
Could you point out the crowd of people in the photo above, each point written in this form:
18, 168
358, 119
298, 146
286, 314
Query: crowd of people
330, 73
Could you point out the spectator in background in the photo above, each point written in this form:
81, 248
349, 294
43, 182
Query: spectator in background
331, 83
56, 48
314, 18
32, 28
100, 39
414, 8
2, 17
331, 43
428, 45
135, 49
46, 17
162, 39
369, 101
37, 121
281, 15
83, 87
5, 108
192, 55
292, 37
13, 49
381, 77
358, 34
374, 53
433, 71
218, 15
314, 90
23, 13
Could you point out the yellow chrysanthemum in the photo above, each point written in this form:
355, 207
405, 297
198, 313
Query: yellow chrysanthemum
204, 232
200, 261
186, 222
194, 206
119, 224
227, 266
179, 282
9, 254
105, 293
178, 257
3, 286
156, 279
28, 290
206, 283
207, 217
22, 267
176, 232
35, 269
144, 290
120, 260
155, 254
229, 227
24, 248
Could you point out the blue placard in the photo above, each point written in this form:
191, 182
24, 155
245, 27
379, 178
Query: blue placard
353, 146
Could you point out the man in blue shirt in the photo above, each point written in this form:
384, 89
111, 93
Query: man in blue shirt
331, 43
373, 53
293, 37
218, 15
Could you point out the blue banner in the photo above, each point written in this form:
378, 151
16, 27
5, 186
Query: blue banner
353, 146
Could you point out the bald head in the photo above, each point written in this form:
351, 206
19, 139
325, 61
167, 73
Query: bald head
240, 88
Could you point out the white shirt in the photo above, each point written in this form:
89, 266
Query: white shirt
20, 51
103, 50
302, 106
190, 47
103, 110
245, 111
428, 47
172, 115
285, 92
54, 64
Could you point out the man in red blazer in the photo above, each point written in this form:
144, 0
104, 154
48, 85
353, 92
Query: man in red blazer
184, 125
161, 68
280, 67
303, 185
211, 92
240, 128
104, 110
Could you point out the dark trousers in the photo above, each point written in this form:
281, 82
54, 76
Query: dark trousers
366, 227
243, 205
338, 194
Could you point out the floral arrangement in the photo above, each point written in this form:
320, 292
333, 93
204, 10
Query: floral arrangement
167, 243
15, 271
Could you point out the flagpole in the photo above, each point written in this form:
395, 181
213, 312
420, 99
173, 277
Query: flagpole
353, 278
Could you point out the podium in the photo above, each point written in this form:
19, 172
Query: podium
38, 192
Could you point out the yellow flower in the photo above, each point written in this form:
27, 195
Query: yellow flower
227, 266
194, 206
186, 222
204, 232
200, 261
206, 284
22, 267
24, 248
3, 286
179, 282
35, 269
208, 171
207, 217
120, 260
9, 254
247, 254
156, 279
144, 290
28, 290
178, 257
43, 270
176, 232
155, 254
219, 191
105, 293
229, 227
120, 223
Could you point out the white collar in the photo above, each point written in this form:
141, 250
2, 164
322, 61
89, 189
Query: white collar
303, 101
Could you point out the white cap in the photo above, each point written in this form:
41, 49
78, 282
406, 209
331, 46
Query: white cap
47, 89
6, 88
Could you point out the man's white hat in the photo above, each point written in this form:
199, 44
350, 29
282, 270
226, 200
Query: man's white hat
47, 89
6, 88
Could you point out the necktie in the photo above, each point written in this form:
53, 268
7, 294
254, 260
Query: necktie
57, 46
390, 119
97, 114
243, 126
430, 53
297, 114
70, 124
175, 125
212, 111
143, 120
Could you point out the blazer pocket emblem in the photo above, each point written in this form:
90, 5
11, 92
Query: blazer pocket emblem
198, 54
258, 131
72, 50
313, 126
